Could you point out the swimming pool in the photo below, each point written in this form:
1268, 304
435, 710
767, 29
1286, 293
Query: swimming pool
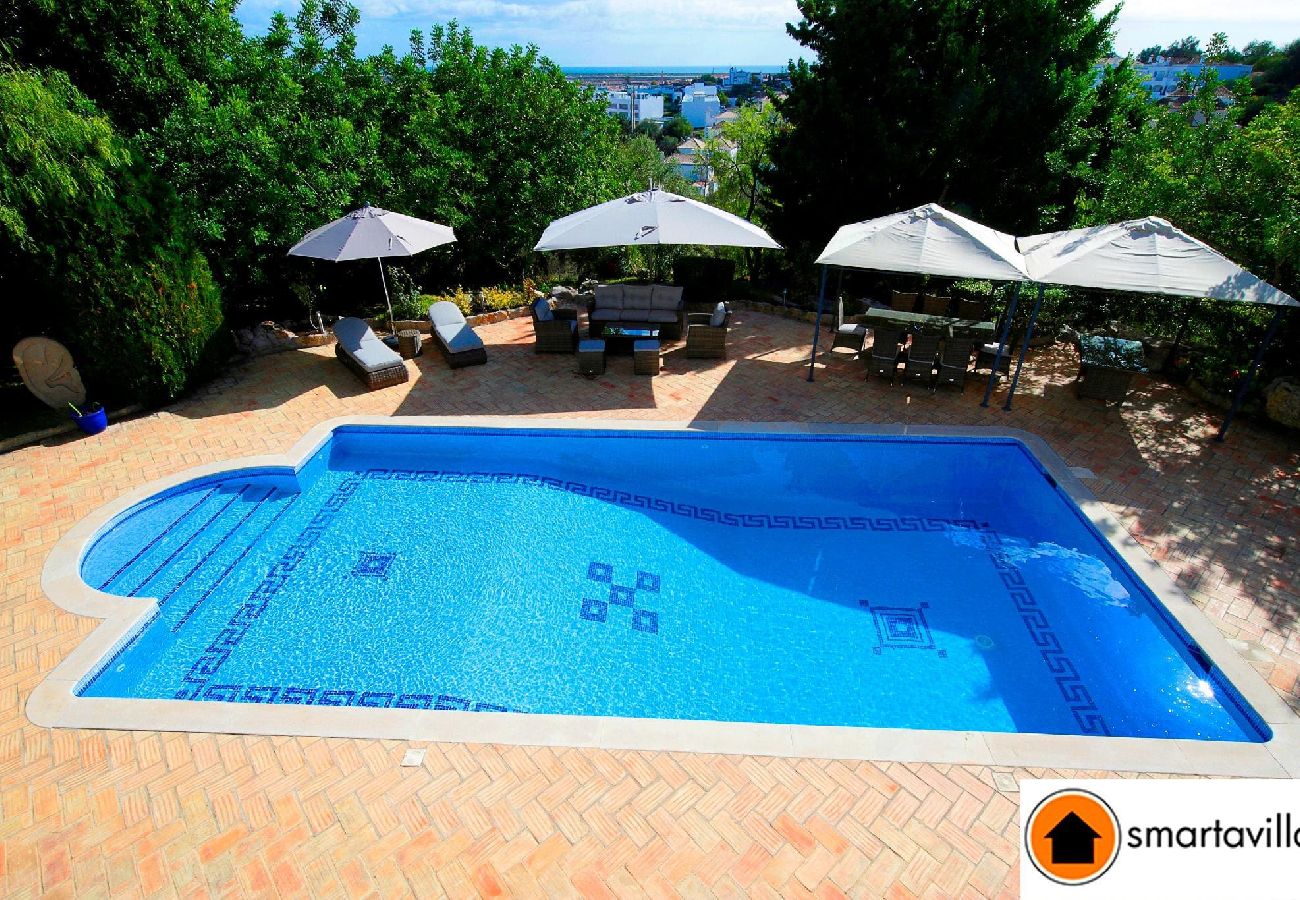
938, 583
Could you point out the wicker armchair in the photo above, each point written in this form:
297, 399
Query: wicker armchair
921, 358
954, 362
902, 302
935, 304
556, 330
883, 361
847, 334
706, 333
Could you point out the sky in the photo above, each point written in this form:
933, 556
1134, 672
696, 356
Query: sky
734, 32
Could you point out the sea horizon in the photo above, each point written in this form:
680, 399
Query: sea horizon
667, 70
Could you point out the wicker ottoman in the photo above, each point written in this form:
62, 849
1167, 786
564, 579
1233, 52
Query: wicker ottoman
645, 358
591, 358
408, 343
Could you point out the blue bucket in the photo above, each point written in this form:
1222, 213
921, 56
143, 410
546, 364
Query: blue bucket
92, 422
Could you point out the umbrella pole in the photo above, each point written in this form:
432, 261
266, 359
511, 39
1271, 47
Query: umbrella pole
817, 326
1002, 342
392, 323
1240, 398
1024, 346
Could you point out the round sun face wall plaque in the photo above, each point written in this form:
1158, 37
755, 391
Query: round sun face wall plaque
48, 371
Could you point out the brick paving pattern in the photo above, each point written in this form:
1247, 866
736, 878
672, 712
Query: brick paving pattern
146, 814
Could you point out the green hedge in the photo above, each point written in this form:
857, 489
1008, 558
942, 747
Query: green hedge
146, 332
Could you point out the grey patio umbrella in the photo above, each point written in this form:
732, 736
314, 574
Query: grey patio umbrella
1152, 256
372, 232
654, 216
927, 240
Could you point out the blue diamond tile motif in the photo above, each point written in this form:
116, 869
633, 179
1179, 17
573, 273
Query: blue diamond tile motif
647, 581
373, 565
599, 571
622, 596
903, 628
594, 610
646, 621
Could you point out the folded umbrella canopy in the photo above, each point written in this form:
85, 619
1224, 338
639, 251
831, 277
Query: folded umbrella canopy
652, 217
372, 232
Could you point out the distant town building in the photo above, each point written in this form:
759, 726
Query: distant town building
700, 104
740, 76
691, 165
1163, 77
635, 106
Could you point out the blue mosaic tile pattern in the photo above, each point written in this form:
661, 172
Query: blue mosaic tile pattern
689, 510
209, 663
304, 696
642, 620
594, 610
373, 564
902, 628
1059, 665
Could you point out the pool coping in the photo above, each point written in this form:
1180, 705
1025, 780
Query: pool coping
53, 703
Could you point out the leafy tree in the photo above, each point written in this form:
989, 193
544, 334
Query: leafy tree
1150, 54
1220, 51
741, 159
1279, 74
1185, 48
525, 146
679, 128
1256, 52
96, 236
1235, 186
908, 104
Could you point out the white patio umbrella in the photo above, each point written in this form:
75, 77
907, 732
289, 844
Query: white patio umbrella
927, 240
1147, 256
652, 217
372, 232
1151, 256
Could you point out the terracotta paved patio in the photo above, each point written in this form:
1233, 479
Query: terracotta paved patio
145, 814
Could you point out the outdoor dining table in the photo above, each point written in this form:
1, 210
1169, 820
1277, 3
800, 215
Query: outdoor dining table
910, 321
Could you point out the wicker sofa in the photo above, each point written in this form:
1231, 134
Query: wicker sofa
657, 306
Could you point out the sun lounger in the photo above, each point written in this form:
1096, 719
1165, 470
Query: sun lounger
369, 358
454, 338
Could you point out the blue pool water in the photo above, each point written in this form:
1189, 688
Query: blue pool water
819, 580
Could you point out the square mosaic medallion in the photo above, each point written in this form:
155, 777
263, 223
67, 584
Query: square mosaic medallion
372, 564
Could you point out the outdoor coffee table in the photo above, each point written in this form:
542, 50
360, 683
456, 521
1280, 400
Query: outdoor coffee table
620, 338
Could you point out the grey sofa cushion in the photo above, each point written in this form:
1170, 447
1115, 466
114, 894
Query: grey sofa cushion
635, 315
359, 342
459, 337
661, 316
543, 310
719, 315
444, 312
666, 296
606, 315
637, 296
609, 296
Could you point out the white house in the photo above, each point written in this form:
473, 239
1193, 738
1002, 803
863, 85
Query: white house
1163, 77
700, 104
634, 106
691, 167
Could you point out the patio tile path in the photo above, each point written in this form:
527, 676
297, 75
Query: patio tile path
155, 814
